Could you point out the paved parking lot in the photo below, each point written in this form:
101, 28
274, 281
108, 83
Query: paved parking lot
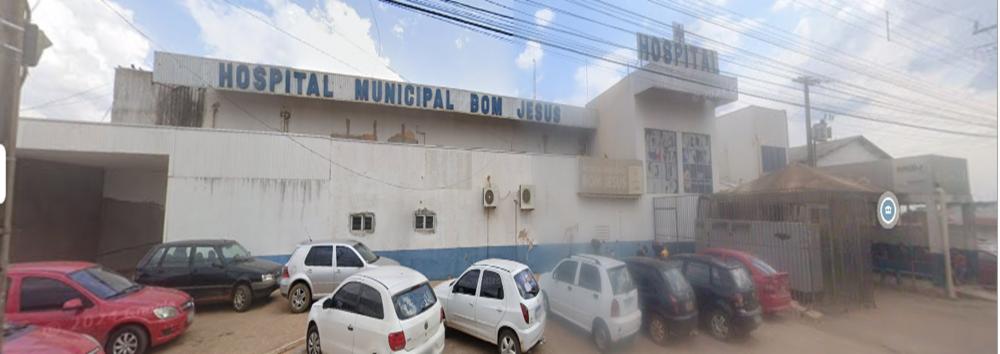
902, 323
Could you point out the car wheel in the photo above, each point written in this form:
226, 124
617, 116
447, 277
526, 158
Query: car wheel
719, 324
312, 341
242, 297
658, 330
129, 339
602, 338
299, 298
508, 343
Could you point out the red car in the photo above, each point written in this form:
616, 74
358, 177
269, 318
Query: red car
23, 339
772, 285
85, 298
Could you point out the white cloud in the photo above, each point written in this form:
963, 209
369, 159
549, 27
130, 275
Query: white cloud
597, 76
88, 42
330, 25
398, 29
461, 41
531, 56
544, 16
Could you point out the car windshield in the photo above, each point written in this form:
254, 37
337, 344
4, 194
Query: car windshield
676, 281
367, 254
234, 252
414, 301
741, 278
526, 284
621, 281
104, 283
762, 266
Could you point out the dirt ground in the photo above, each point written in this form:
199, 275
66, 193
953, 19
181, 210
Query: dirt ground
902, 323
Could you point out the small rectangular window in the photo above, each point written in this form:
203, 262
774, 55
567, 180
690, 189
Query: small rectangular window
492, 286
320, 256
590, 278
363, 222
424, 220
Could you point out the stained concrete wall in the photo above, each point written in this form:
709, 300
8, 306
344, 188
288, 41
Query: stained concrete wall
132, 210
57, 211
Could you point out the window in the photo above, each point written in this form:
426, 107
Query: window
346, 299
103, 283
621, 280
176, 257
762, 266
527, 285
741, 278
697, 161
661, 161
424, 220
772, 158
204, 256
363, 222
720, 278
234, 252
365, 252
44, 294
697, 273
414, 301
154, 258
320, 256
371, 302
590, 277
492, 286
466, 285
347, 258
676, 281
565, 272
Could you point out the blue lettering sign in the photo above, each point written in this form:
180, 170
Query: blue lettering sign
408, 95
225, 75
259, 78
428, 94
497, 104
275, 78
360, 90
376, 91
438, 101
242, 76
299, 76
327, 92
390, 93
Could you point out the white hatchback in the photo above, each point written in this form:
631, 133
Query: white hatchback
497, 301
380, 310
595, 293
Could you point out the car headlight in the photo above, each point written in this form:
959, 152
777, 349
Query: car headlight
165, 312
267, 277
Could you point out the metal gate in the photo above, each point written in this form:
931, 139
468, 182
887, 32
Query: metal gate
674, 218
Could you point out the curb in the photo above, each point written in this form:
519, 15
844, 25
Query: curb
288, 346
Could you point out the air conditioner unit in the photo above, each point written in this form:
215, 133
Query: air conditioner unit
526, 195
489, 198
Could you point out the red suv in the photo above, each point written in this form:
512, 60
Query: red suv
85, 298
772, 285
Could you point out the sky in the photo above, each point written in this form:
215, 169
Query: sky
931, 70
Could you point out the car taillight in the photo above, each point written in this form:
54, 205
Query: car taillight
397, 341
284, 272
673, 302
524, 313
738, 300
615, 311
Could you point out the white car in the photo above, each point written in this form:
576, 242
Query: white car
497, 301
596, 294
388, 309
315, 269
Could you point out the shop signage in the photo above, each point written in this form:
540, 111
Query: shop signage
600, 177
676, 54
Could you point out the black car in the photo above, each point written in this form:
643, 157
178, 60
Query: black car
665, 298
210, 271
727, 302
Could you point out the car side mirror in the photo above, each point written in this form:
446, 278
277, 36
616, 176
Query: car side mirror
73, 305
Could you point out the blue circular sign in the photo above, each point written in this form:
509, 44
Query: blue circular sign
888, 210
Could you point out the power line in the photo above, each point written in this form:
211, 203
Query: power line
60, 99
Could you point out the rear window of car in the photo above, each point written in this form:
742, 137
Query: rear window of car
526, 284
414, 301
741, 278
621, 281
762, 266
675, 280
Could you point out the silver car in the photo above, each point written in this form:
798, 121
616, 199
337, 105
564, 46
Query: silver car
315, 269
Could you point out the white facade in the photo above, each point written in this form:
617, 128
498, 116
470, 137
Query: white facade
744, 134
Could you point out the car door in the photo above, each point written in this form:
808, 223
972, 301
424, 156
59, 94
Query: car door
348, 262
563, 281
461, 306
370, 328
320, 270
208, 273
147, 266
697, 274
490, 306
336, 321
587, 301
175, 270
41, 300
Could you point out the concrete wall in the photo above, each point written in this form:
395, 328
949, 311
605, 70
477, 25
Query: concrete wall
741, 134
57, 213
132, 211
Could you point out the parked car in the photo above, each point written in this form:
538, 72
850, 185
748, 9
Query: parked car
211, 271
498, 301
987, 269
380, 310
666, 299
596, 294
727, 300
315, 269
771, 285
26, 339
86, 298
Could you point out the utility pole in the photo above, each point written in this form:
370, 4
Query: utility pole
942, 205
810, 144
13, 21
